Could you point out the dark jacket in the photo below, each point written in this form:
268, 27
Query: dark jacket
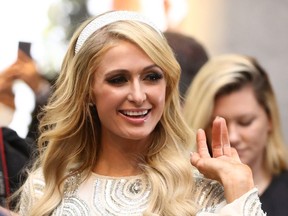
18, 155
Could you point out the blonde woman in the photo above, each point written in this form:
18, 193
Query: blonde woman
114, 142
237, 88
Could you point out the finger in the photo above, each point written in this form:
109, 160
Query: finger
202, 144
216, 144
225, 138
194, 158
235, 154
22, 56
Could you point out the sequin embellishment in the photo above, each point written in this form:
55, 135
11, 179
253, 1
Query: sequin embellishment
121, 197
109, 197
72, 207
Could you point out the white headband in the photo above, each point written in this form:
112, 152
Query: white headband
107, 19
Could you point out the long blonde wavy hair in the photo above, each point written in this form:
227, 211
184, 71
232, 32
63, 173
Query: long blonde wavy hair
70, 129
227, 73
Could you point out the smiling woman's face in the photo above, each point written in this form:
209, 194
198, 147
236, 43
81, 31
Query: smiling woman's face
129, 92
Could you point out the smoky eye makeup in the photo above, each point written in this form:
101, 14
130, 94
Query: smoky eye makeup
117, 77
153, 73
153, 76
117, 80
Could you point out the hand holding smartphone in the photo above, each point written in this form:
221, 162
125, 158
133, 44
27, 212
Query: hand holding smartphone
25, 47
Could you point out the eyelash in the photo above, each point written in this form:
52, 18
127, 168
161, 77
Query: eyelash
117, 80
120, 79
154, 76
242, 123
245, 123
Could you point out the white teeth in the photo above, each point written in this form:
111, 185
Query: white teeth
135, 113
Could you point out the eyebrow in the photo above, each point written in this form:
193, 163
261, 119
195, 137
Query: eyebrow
152, 66
109, 73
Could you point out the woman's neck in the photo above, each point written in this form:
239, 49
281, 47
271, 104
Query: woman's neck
262, 178
120, 158
117, 164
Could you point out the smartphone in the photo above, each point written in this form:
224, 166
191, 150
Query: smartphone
25, 47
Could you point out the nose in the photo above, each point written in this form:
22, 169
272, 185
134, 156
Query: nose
137, 93
233, 134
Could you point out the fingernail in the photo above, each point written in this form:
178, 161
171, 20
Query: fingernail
191, 154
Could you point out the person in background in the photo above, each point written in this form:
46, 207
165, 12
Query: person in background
113, 140
7, 103
25, 69
16, 153
237, 88
190, 54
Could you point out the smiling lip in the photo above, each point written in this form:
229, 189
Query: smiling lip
135, 116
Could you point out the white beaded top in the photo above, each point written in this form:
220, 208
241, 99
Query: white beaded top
122, 196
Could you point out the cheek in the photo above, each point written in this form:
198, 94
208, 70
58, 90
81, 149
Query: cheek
104, 96
158, 96
257, 134
162, 98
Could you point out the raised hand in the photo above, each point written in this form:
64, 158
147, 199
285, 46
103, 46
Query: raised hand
7, 79
26, 70
224, 165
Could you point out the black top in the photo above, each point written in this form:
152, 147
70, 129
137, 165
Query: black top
275, 197
18, 153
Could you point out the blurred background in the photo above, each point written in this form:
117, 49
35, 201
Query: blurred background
258, 28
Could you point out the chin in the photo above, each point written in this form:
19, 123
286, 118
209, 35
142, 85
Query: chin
137, 136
